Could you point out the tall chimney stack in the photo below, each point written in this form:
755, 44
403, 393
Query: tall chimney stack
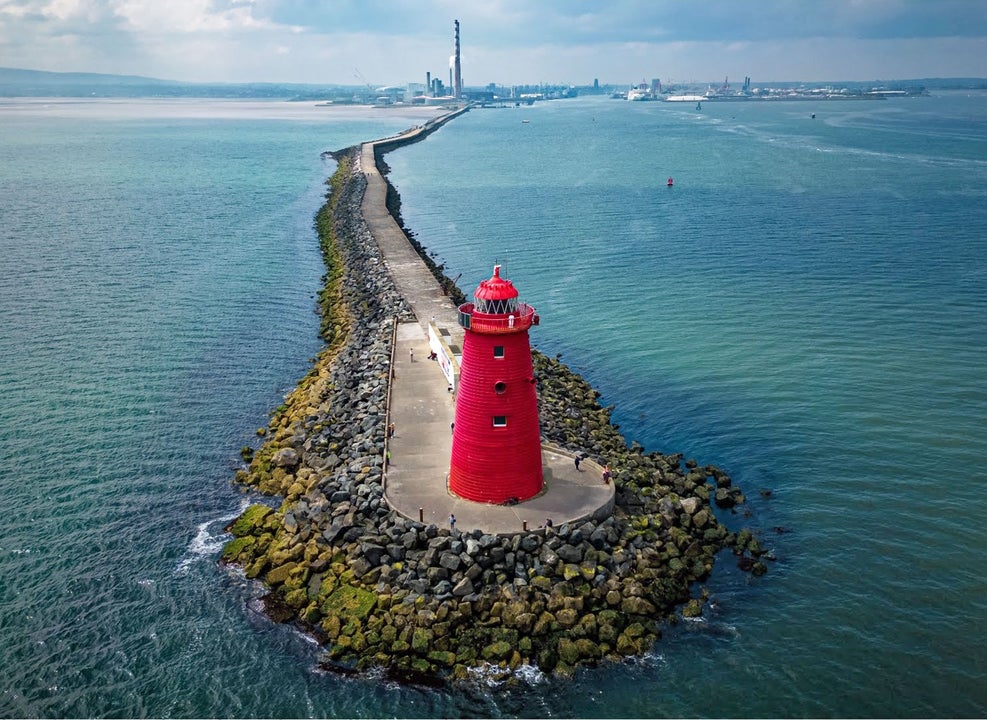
458, 81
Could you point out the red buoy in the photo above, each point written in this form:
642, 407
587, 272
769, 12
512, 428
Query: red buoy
496, 439
669, 183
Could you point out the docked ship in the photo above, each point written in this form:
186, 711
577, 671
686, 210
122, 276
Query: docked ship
686, 98
640, 92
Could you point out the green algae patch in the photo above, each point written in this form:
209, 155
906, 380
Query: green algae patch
232, 549
350, 602
278, 575
251, 518
498, 650
442, 658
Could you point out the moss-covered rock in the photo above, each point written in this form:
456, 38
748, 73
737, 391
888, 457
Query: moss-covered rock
587, 650
235, 547
421, 640
400, 647
443, 658
350, 602
692, 609
297, 598
568, 651
250, 520
254, 569
277, 575
628, 645
496, 651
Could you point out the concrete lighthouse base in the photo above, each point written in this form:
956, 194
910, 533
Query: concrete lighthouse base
415, 485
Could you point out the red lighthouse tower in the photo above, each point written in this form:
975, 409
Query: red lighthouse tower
496, 441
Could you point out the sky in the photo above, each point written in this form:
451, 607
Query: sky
394, 42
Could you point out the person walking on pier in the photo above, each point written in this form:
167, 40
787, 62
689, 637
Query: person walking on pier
411, 354
578, 460
452, 522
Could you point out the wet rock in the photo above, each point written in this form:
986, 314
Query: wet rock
690, 505
463, 587
570, 553
724, 499
436, 574
450, 561
286, 457
497, 651
372, 553
637, 606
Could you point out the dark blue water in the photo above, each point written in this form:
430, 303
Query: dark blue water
804, 308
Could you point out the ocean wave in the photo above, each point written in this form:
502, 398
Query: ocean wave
494, 676
209, 539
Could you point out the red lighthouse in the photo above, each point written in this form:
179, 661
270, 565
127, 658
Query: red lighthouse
496, 441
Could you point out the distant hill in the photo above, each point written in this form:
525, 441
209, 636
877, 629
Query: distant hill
15, 82
43, 77
40, 83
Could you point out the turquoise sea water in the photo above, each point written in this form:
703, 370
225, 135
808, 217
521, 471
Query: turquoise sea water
805, 308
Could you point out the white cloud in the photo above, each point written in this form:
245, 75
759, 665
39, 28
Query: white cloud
186, 16
510, 41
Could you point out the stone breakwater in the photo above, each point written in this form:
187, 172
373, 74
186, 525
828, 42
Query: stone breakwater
380, 591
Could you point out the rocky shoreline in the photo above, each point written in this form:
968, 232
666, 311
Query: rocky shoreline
380, 591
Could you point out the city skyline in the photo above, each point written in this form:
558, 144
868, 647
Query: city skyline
387, 42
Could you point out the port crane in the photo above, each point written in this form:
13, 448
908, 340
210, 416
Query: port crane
359, 76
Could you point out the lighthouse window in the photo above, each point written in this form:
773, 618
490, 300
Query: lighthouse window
500, 387
500, 421
498, 351
496, 307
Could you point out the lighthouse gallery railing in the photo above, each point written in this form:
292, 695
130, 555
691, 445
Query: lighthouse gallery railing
521, 319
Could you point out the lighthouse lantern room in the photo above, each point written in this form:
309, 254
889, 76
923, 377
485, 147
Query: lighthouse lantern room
496, 439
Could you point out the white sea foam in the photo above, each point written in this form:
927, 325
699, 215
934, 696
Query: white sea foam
494, 676
209, 539
652, 658
530, 674
301, 634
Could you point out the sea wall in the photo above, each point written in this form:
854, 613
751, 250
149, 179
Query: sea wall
379, 590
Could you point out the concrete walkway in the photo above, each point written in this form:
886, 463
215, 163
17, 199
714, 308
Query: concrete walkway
422, 409
413, 279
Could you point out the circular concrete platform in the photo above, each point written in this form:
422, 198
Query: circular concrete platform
415, 482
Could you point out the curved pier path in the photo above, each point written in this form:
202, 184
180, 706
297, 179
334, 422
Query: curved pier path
422, 409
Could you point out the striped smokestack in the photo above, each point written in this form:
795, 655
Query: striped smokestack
458, 80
